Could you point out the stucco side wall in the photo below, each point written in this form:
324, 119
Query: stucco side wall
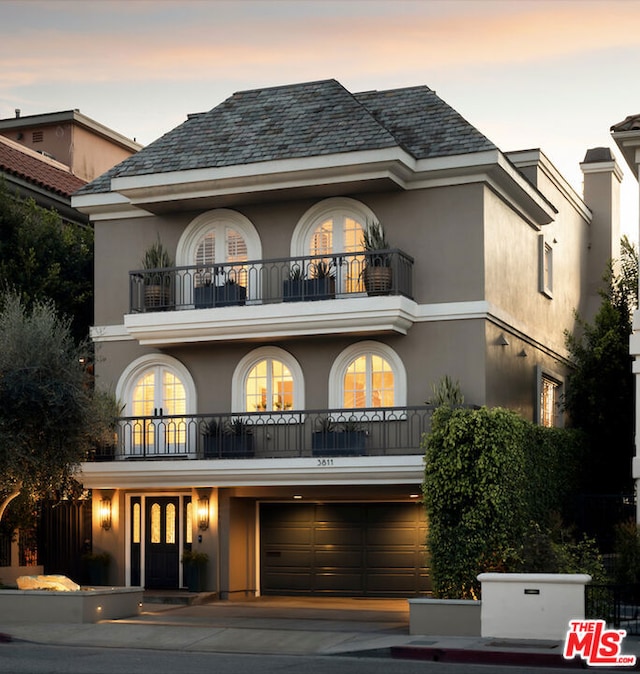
513, 277
92, 155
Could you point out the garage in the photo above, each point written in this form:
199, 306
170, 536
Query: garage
343, 549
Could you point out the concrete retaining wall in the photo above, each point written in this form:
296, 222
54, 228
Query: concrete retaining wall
84, 606
444, 617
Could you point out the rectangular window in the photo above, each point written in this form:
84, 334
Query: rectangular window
545, 252
549, 400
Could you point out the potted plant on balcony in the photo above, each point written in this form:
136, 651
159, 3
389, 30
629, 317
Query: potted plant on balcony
212, 437
293, 288
157, 279
195, 570
322, 284
238, 439
203, 295
377, 272
345, 439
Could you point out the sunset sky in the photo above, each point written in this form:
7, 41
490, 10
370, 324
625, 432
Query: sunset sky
551, 74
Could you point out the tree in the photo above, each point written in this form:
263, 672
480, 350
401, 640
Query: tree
50, 417
42, 256
600, 391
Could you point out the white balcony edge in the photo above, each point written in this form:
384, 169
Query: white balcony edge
288, 319
365, 470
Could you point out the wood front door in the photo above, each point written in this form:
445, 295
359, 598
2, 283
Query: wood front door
162, 537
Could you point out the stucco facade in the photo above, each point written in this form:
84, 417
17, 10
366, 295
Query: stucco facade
499, 250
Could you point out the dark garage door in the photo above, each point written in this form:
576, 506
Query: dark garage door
373, 550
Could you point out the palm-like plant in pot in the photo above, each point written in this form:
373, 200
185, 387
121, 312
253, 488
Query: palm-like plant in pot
157, 278
377, 272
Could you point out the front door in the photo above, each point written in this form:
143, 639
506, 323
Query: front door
162, 536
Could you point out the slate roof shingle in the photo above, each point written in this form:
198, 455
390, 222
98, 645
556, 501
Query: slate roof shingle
25, 164
304, 120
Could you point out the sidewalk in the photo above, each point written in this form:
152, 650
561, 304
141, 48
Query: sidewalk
293, 626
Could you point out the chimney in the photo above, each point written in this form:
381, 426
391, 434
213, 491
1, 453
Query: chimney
602, 178
18, 111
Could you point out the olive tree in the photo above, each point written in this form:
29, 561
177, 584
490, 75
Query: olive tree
50, 417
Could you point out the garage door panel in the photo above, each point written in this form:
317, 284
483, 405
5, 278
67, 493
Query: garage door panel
288, 536
339, 582
391, 536
289, 558
400, 582
338, 558
288, 582
392, 559
338, 536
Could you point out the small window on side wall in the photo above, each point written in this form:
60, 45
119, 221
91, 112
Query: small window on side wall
549, 399
545, 263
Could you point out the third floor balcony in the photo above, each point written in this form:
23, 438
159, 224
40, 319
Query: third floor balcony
322, 294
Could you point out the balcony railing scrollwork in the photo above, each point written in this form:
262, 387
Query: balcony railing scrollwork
297, 279
283, 434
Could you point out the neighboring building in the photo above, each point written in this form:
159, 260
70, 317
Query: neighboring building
490, 254
627, 136
87, 147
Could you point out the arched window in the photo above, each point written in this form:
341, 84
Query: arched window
216, 243
367, 374
268, 379
159, 394
334, 226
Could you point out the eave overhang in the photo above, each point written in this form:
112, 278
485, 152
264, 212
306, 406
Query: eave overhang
629, 144
344, 173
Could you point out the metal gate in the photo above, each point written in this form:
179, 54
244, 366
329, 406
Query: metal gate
617, 605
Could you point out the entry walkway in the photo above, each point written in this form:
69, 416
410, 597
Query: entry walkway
295, 626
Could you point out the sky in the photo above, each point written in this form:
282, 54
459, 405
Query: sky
549, 74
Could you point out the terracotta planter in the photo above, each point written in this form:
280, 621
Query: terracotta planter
377, 280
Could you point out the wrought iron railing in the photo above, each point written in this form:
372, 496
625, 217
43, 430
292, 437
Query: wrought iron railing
617, 605
281, 434
290, 279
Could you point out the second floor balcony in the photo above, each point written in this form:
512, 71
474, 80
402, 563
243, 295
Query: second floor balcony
361, 293
328, 433
283, 280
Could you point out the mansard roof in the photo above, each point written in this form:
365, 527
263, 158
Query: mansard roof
301, 121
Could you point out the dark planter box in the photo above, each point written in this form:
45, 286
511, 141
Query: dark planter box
229, 295
228, 446
195, 577
293, 290
338, 443
203, 296
320, 288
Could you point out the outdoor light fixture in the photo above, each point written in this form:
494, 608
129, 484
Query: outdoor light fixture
203, 513
105, 513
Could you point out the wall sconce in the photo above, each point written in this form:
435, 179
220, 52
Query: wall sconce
105, 513
203, 513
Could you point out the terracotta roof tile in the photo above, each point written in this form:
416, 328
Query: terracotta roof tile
38, 170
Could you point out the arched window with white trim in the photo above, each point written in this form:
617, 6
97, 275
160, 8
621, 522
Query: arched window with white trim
330, 227
268, 379
367, 374
216, 243
159, 394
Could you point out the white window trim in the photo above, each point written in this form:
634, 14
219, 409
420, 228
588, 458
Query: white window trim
133, 371
197, 228
342, 362
544, 287
544, 373
319, 212
246, 364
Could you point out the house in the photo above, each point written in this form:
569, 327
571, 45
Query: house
87, 147
273, 395
627, 136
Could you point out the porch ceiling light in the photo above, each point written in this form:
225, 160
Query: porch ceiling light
203, 513
105, 513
